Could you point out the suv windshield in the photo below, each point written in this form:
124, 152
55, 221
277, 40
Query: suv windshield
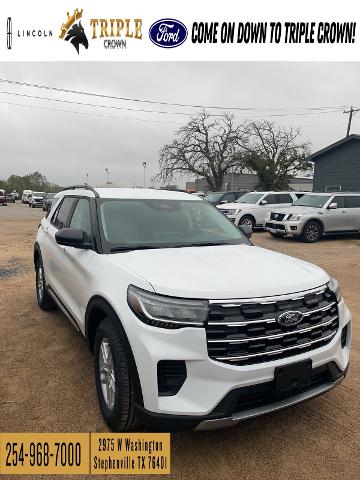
214, 197
317, 201
39, 194
249, 198
130, 224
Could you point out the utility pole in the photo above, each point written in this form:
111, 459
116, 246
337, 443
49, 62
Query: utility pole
144, 165
107, 174
351, 113
87, 179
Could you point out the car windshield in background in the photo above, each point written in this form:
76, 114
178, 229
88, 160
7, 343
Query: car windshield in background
50, 195
131, 224
250, 198
213, 197
317, 201
39, 194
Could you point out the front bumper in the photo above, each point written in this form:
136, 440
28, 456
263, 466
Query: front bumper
203, 399
244, 403
284, 228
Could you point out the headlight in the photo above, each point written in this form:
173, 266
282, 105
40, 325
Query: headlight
232, 211
334, 286
295, 217
167, 312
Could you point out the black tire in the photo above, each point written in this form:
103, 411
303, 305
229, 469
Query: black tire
121, 417
312, 232
247, 220
277, 235
44, 300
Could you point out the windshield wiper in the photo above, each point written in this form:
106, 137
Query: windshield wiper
129, 248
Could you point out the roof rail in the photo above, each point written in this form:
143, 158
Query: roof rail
86, 187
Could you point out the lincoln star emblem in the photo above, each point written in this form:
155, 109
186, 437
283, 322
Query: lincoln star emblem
289, 319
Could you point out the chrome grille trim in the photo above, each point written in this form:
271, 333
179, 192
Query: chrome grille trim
278, 335
281, 350
270, 320
247, 331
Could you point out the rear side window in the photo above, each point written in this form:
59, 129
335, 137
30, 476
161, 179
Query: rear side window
62, 213
352, 201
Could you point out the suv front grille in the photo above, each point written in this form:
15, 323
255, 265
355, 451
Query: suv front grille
277, 216
245, 332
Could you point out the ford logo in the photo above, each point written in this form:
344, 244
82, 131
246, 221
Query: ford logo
168, 33
289, 319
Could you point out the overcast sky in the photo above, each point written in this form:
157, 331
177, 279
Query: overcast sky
65, 146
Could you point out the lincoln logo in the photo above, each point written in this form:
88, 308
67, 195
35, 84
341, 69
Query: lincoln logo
9, 33
289, 319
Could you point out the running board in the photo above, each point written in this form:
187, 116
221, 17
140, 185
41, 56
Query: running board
63, 308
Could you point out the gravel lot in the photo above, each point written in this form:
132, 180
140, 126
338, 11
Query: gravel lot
47, 384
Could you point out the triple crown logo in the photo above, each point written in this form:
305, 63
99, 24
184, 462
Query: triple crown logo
73, 31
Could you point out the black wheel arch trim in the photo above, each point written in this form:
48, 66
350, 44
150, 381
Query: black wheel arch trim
98, 302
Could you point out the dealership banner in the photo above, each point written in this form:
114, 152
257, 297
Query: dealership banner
139, 30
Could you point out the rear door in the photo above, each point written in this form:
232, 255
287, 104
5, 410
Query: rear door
352, 207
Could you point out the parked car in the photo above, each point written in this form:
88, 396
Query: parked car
251, 208
3, 202
47, 202
218, 198
315, 215
9, 198
25, 196
248, 332
36, 199
15, 194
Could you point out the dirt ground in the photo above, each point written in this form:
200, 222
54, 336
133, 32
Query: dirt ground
47, 382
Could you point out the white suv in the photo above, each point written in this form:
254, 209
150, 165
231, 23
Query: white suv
251, 208
191, 326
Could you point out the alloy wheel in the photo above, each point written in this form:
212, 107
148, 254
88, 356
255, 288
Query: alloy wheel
107, 374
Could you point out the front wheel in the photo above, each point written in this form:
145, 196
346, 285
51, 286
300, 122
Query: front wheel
114, 379
312, 232
247, 220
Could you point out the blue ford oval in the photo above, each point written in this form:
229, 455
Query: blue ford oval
168, 33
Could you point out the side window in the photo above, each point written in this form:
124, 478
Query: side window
62, 213
339, 200
299, 195
229, 197
81, 218
270, 199
352, 201
284, 198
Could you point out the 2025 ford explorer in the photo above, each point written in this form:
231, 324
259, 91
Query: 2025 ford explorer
191, 326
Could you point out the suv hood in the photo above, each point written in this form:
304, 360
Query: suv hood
226, 206
220, 272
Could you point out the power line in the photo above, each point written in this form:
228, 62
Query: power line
73, 102
86, 113
157, 102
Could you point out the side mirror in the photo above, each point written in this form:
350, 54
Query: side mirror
71, 237
263, 202
333, 206
246, 230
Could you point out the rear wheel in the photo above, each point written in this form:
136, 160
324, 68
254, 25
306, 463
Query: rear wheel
114, 378
247, 220
312, 232
44, 300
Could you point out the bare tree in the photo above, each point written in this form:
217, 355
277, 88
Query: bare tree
274, 153
206, 147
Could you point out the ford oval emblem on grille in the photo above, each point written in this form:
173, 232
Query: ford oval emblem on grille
168, 33
289, 319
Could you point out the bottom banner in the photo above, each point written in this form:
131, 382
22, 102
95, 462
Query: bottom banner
84, 453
